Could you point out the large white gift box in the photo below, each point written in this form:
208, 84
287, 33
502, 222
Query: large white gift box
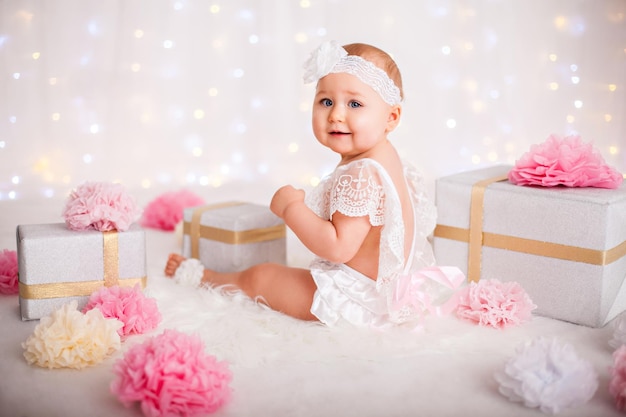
58, 265
233, 236
565, 246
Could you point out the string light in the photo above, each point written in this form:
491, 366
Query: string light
210, 104
560, 22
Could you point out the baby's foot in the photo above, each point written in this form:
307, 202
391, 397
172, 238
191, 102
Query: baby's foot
173, 262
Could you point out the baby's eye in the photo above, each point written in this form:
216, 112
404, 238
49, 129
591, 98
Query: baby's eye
326, 102
354, 104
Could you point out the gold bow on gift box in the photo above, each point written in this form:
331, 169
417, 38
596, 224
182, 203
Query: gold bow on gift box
476, 239
195, 230
85, 288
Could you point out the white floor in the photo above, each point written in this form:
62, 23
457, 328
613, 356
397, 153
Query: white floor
283, 367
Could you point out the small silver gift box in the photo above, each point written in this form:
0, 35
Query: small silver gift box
565, 246
58, 265
233, 236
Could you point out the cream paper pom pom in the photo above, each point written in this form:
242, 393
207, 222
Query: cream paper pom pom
68, 338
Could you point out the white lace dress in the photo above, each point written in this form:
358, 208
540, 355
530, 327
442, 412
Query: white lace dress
364, 188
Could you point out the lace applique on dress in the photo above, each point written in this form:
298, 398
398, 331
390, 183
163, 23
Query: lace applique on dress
356, 193
354, 190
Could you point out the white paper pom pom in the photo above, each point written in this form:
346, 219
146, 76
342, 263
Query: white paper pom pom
189, 272
548, 375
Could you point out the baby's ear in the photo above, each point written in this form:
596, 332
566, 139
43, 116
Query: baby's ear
394, 117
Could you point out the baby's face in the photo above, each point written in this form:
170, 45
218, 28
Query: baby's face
349, 117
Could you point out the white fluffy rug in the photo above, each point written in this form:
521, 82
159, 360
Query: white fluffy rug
285, 367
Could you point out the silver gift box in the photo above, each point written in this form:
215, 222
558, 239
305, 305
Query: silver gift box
233, 236
565, 246
58, 265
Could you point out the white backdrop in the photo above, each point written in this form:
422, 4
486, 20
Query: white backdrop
163, 95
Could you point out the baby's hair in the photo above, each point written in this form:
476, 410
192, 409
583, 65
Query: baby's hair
379, 58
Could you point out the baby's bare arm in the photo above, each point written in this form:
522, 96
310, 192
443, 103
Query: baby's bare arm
338, 240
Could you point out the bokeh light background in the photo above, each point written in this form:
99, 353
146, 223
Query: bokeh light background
205, 94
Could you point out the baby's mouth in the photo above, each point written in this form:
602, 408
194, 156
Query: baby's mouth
338, 133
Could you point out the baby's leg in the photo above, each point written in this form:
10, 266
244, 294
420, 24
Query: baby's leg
285, 289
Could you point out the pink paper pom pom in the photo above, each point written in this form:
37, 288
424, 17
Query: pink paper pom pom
100, 206
9, 283
617, 384
490, 302
127, 304
171, 375
166, 211
568, 162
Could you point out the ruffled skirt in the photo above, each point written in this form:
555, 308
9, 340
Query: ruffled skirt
345, 296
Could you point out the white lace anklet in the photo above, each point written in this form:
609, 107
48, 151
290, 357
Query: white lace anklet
189, 272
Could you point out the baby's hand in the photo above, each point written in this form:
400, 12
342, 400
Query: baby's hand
284, 197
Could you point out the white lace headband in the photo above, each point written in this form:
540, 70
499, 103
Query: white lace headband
330, 57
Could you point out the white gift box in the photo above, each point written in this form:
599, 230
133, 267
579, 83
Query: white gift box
565, 246
233, 236
58, 265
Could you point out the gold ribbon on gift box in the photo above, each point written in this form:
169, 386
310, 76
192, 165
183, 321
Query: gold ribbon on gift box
476, 239
84, 288
195, 230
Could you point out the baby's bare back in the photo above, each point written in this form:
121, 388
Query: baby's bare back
366, 259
